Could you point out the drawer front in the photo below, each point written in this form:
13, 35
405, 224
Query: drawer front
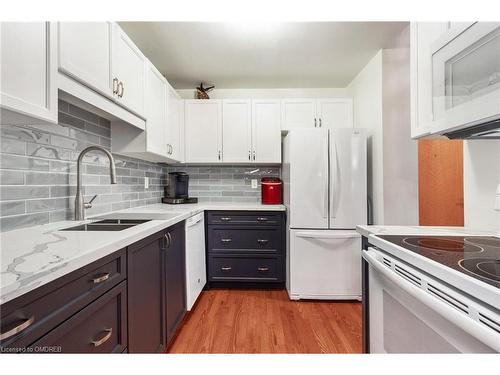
223, 239
40, 311
101, 327
245, 268
244, 217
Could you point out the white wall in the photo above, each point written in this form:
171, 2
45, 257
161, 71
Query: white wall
269, 93
481, 176
366, 89
400, 159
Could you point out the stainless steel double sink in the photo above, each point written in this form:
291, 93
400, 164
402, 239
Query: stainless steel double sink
110, 225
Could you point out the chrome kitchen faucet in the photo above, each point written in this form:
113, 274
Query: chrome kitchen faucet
80, 205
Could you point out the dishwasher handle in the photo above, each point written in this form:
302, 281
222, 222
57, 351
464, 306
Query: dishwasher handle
193, 220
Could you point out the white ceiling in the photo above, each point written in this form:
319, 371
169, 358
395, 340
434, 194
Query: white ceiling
261, 55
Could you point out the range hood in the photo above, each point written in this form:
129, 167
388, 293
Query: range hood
487, 130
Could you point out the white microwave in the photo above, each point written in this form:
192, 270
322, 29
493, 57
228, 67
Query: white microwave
466, 81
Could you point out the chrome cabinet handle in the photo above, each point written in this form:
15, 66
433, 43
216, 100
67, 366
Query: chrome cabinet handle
106, 337
219, 155
226, 269
225, 218
315, 124
101, 278
263, 269
167, 238
262, 219
118, 91
226, 239
21, 327
320, 123
254, 155
249, 155
115, 85
262, 241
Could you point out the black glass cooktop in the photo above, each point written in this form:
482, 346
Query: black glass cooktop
478, 257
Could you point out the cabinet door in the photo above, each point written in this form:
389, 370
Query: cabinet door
422, 34
156, 111
128, 69
175, 286
334, 113
266, 131
85, 53
203, 131
298, 113
146, 295
237, 135
29, 68
174, 124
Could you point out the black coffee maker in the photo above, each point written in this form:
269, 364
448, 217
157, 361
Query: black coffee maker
177, 190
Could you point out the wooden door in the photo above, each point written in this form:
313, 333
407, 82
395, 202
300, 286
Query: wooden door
29, 69
335, 113
203, 131
146, 296
266, 131
85, 53
298, 113
440, 182
236, 130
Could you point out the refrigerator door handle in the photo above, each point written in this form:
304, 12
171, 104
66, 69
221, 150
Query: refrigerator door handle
333, 236
325, 178
335, 179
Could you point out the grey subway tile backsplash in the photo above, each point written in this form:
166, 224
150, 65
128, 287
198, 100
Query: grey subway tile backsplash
38, 173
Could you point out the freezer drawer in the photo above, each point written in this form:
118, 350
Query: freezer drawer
324, 264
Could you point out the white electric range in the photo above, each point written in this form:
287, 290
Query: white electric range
431, 292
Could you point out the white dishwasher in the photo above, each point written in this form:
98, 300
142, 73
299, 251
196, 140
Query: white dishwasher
196, 274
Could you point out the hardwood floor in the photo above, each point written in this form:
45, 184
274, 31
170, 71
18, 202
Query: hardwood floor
266, 321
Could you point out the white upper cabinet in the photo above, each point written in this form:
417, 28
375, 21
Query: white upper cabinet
298, 113
334, 113
156, 111
422, 35
29, 69
128, 65
203, 131
316, 113
175, 125
237, 134
266, 131
85, 53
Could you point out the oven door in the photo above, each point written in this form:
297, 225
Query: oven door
403, 318
466, 76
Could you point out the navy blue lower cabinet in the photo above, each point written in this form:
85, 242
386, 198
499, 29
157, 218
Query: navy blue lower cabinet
245, 249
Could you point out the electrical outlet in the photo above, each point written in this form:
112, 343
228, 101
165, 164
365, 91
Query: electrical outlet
146, 182
254, 183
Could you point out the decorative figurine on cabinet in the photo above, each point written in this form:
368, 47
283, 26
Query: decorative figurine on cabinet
202, 92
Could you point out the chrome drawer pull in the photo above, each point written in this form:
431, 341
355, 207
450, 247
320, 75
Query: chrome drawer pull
106, 337
225, 268
226, 240
100, 279
263, 269
225, 218
262, 219
262, 241
21, 327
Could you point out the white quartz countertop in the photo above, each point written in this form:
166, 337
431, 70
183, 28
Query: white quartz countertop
32, 257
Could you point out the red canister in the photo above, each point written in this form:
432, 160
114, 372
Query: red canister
271, 190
